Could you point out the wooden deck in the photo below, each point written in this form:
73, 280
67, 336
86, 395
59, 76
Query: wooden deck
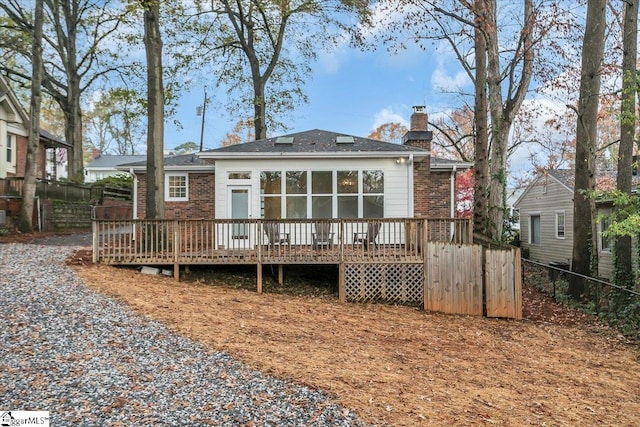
190, 242
397, 260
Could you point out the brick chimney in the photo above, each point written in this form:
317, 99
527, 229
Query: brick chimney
419, 118
95, 153
418, 136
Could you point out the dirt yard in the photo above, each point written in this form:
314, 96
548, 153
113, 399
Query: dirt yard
400, 365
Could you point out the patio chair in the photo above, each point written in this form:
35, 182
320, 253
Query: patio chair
323, 237
368, 238
275, 237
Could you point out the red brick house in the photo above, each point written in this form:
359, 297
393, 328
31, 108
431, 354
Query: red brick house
311, 174
14, 133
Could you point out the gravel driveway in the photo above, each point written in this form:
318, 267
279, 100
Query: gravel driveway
91, 361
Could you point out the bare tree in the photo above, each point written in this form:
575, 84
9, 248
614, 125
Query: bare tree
25, 223
267, 46
481, 142
155, 110
584, 244
500, 64
75, 56
623, 270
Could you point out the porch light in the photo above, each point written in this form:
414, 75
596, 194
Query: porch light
403, 160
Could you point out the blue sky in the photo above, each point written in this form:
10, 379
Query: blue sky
350, 91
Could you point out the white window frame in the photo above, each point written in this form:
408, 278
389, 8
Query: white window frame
564, 225
11, 146
531, 216
334, 195
167, 198
601, 238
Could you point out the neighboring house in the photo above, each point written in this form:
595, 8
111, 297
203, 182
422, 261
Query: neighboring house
103, 166
189, 184
546, 220
546, 217
311, 174
14, 133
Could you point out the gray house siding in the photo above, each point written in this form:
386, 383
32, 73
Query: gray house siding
605, 255
545, 198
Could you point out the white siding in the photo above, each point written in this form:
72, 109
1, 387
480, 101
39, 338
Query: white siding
396, 184
547, 200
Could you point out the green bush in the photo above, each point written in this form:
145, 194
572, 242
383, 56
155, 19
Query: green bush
121, 180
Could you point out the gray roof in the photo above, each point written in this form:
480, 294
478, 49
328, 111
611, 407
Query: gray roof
53, 139
316, 141
565, 176
175, 160
109, 161
439, 161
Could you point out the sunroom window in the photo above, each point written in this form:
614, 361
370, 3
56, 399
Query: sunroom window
271, 190
322, 194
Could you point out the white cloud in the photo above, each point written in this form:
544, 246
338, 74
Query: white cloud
388, 115
442, 81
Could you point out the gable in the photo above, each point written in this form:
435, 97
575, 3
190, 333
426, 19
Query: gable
544, 184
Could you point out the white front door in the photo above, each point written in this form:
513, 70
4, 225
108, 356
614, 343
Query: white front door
239, 197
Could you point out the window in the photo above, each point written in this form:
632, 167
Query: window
176, 187
373, 197
239, 175
347, 194
271, 190
10, 148
322, 194
534, 229
560, 225
605, 241
296, 189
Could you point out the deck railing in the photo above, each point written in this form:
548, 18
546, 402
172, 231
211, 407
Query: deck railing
251, 241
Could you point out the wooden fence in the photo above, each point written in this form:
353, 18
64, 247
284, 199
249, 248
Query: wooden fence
470, 279
55, 190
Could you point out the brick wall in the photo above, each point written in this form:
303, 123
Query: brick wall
200, 204
421, 188
21, 158
440, 195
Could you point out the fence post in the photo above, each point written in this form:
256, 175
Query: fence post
176, 242
94, 232
425, 259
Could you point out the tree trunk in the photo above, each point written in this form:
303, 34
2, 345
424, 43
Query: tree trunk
481, 141
259, 108
623, 271
155, 111
73, 130
503, 110
586, 134
25, 223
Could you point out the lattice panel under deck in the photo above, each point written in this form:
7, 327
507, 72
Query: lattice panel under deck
394, 283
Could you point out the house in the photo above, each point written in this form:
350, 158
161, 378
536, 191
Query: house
310, 174
14, 133
546, 220
546, 217
103, 166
